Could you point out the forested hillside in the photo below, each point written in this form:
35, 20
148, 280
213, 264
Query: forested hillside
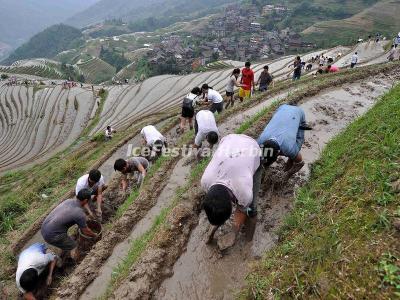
48, 43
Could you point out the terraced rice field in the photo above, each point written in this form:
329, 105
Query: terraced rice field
38, 67
128, 103
35, 125
157, 269
96, 70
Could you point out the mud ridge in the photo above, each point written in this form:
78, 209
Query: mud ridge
156, 262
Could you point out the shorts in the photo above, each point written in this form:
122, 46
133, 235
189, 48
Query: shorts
352, 65
62, 241
244, 93
263, 87
187, 112
219, 107
229, 94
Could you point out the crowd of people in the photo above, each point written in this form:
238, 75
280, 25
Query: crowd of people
230, 182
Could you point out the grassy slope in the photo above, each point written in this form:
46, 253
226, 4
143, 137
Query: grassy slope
381, 17
339, 241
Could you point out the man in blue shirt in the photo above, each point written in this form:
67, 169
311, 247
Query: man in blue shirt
284, 135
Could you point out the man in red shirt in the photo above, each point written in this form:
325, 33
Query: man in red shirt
247, 81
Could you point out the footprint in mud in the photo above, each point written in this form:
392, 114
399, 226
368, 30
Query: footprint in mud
322, 122
326, 109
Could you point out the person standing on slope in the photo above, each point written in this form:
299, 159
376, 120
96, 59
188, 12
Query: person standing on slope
130, 166
284, 135
232, 178
94, 182
205, 128
354, 60
35, 265
217, 102
397, 41
188, 105
265, 80
70, 212
297, 66
230, 87
247, 81
153, 139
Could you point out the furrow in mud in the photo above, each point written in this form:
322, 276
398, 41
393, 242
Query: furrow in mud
209, 275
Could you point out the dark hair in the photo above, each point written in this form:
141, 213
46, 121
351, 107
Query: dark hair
205, 86
247, 64
329, 66
29, 280
94, 175
270, 152
119, 164
84, 194
298, 58
212, 137
157, 146
196, 91
108, 127
356, 53
236, 71
218, 205
266, 68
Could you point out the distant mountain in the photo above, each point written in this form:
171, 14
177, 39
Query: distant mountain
134, 10
21, 19
47, 43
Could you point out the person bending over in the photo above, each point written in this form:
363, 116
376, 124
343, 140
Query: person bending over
284, 135
153, 139
67, 214
93, 181
34, 263
211, 95
205, 128
232, 178
130, 166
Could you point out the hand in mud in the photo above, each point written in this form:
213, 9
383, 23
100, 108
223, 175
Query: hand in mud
99, 215
211, 234
227, 241
49, 280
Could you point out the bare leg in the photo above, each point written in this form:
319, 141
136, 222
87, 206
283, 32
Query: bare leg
212, 234
191, 123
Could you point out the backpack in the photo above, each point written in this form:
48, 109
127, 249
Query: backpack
188, 102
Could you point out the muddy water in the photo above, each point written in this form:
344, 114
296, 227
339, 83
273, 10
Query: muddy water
177, 179
201, 272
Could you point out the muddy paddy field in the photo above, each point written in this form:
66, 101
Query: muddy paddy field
175, 262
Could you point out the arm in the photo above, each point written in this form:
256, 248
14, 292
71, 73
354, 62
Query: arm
99, 199
29, 296
142, 170
89, 211
124, 182
50, 276
87, 231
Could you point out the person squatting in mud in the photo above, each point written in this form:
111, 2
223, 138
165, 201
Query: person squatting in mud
188, 105
284, 135
232, 177
70, 212
154, 140
35, 268
130, 166
93, 181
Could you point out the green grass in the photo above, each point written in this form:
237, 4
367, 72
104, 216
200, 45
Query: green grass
338, 242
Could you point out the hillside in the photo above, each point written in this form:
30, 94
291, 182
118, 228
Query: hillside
383, 17
19, 20
127, 10
47, 43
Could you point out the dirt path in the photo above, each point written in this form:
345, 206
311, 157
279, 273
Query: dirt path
201, 272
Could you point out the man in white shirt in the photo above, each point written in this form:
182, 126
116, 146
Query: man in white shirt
205, 128
152, 138
215, 98
354, 60
93, 181
32, 264
232, 177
